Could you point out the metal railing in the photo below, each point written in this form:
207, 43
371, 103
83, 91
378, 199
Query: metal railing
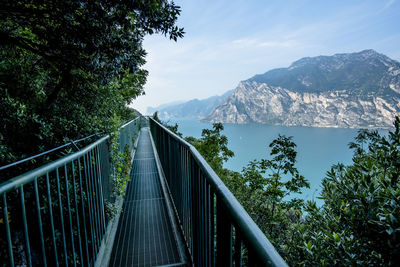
218, 231
55, 215
72, 143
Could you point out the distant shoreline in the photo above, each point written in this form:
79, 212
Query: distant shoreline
268, 124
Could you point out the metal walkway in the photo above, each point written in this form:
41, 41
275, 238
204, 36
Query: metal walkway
145, 236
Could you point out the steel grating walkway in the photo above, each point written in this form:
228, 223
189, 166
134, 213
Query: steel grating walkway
144, 235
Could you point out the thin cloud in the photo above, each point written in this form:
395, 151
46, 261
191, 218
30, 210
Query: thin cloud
258, 43
286, 44
388, 4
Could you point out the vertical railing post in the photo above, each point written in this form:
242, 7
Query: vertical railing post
77, 215
53, 234
69, 215
193, 213
8, 232
61, 217
100, 189
88, 197
238, 249
25, 222
224, 237
83, 211
212, 234
39, 217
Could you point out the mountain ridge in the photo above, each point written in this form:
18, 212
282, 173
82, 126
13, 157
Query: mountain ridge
192, 109
357, 90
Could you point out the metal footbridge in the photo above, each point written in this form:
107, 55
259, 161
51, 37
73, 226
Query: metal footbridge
176, 210
145, 236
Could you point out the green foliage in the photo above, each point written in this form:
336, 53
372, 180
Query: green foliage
359, 222
174, 128
213, 146
69, 69
122, 166
264, 187
121, 162
111, 209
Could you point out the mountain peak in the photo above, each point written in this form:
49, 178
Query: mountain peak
336, 58
359, 72
369, 52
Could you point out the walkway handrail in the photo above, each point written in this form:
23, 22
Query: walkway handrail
194, 188
29, 176
46, 152
57, 212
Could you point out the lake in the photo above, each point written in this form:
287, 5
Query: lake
318, 148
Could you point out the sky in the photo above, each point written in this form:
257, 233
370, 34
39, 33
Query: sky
228, 41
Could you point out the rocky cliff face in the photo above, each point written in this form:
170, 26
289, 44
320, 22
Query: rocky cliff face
359, 90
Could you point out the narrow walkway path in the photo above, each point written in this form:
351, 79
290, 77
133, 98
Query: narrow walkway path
144, 236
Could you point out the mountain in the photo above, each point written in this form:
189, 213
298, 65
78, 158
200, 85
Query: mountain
151, 110
193, 109
357, 90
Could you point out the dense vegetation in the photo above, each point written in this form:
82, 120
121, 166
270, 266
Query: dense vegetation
359, 222
69, 69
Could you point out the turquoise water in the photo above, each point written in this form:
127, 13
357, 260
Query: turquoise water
318, 148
